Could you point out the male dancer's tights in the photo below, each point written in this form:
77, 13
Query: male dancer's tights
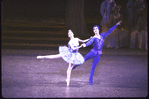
96, 58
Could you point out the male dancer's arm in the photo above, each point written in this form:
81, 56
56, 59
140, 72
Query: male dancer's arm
110, 30
91, 40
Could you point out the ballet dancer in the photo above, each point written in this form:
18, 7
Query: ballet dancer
70, 54
97, 41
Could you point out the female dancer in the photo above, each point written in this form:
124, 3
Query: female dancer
70, 54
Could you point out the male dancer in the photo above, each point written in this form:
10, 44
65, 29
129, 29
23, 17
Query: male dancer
97, 41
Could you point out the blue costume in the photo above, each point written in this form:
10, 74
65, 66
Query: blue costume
95, 51
70, 55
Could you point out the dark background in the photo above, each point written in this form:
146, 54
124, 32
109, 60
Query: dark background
50, 16
51, 8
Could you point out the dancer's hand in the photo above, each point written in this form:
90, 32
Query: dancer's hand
80, 46
84, 45
119, 23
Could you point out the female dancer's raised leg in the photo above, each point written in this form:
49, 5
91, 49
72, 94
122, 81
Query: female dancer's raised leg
49, 56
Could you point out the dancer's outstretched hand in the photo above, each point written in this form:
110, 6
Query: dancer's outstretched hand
84, 45
119, 23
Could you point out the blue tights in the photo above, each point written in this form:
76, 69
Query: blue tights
96, 58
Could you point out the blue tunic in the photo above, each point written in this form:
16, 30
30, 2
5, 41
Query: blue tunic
98, 43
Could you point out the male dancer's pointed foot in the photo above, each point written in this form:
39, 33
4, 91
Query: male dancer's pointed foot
91, 82
74, 66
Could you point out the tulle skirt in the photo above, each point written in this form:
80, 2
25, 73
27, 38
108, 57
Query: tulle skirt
69, 56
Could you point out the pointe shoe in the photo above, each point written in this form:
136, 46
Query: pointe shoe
91, 83
68, 81
40, 57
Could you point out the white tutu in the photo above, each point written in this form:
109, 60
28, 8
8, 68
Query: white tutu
71, 56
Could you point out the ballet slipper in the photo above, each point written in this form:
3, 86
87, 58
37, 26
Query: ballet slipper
40, 57
74, 66
91, 83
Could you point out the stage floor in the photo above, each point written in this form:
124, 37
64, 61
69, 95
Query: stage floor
120, 73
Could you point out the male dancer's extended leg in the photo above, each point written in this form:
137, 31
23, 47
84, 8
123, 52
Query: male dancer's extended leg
94, 64
87, 57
